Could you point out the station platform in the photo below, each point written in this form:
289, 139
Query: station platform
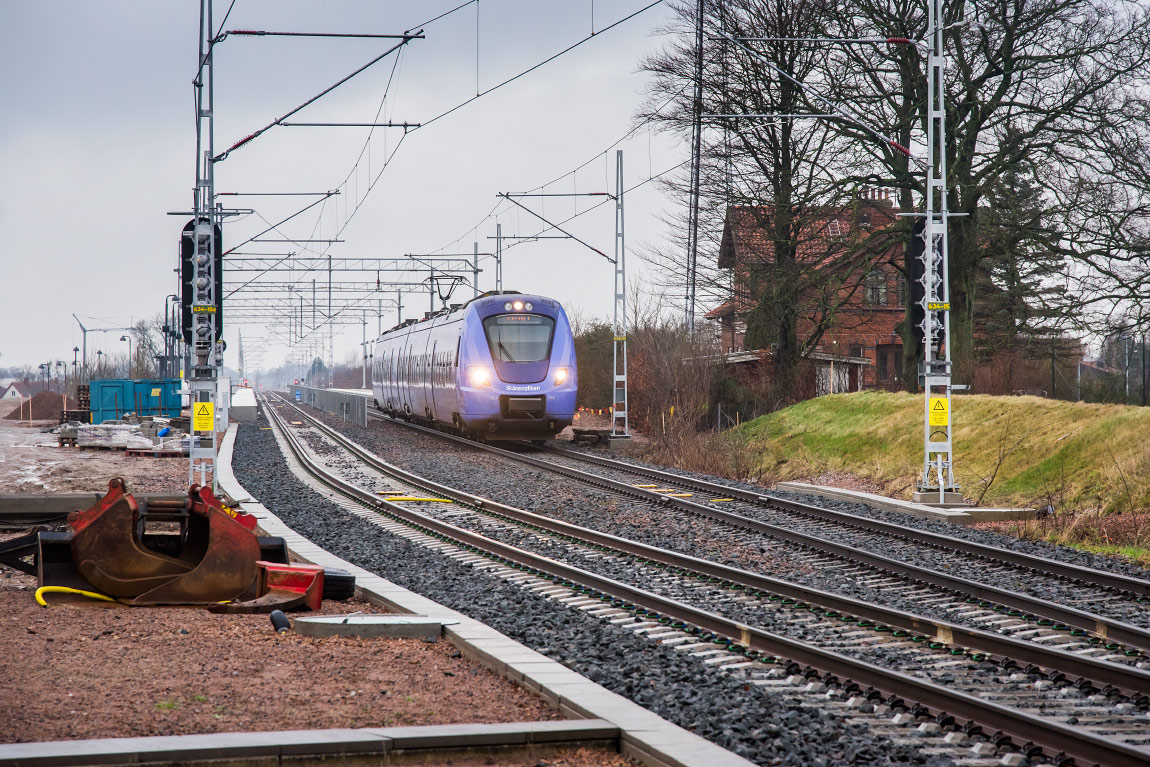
954, 515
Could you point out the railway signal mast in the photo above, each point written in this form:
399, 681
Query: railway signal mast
205, 348
937, 481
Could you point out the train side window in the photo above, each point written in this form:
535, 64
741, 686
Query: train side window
458, 341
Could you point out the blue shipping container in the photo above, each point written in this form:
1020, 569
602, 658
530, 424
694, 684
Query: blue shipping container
112, 399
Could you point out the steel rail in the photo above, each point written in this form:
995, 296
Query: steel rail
1014, 723
1072, 572
1107, 628
1129, 680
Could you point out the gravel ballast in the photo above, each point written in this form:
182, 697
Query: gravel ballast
766, 728
537, 490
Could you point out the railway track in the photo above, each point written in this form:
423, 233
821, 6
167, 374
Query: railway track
1004, 609
689, 603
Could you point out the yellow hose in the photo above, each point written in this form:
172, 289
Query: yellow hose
65, 590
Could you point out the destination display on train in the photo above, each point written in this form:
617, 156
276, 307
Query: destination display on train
519, 319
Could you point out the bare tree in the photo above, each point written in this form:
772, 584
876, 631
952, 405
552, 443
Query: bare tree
1052, 84
145, 347
774, 177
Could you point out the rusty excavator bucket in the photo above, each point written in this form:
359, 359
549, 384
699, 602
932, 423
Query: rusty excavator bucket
212, 558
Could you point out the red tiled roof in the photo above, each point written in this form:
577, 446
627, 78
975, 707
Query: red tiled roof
745, 230
722, 310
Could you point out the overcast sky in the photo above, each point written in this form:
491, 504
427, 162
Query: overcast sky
97, 145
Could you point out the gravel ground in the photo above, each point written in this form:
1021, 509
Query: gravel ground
81, 669
31, 461
978, 678
537, 490
1036, 548
767, 728
1083, 597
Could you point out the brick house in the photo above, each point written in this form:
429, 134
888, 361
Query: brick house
861, 338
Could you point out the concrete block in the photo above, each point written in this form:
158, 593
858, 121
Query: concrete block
337, 741
578, 729
451, 736
370, 626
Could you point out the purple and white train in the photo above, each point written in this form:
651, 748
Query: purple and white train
501, 366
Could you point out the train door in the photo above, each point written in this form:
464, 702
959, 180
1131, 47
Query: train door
432, 380
389, 376
405, 374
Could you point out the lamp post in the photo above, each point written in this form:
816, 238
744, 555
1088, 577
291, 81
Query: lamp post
99, 362
170, 334
75, 361
44, 368
62, 364
129, 340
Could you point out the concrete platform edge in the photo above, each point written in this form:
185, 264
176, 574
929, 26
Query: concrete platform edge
219, 748
954, 515
642, 731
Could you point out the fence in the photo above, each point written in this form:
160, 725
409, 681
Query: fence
347, 405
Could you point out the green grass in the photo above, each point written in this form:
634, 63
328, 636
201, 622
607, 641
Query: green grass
1076, 456
1140, 554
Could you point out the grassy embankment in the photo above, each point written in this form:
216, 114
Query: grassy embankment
1090, 462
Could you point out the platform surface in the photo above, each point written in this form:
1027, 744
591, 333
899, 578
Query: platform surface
955, 515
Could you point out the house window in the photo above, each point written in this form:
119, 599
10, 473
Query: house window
834, 229
855, 350
903, 291
874, 289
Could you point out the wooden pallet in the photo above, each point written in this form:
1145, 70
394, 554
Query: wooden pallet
142, 452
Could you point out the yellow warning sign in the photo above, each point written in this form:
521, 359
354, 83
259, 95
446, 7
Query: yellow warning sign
939, 412
156, 392
203, 417
938, 306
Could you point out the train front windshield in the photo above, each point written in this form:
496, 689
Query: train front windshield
519, 337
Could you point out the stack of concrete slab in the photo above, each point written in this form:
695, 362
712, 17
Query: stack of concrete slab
243, 407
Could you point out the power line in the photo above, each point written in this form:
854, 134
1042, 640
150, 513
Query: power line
406, 39
545, 61
630, 132
359, 202
455, 108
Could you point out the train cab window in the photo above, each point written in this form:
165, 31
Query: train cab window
519, 337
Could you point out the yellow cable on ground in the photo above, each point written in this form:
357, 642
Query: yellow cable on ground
65, 590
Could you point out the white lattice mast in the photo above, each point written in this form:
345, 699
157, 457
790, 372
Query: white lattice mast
620, 421
937, 462
206, 352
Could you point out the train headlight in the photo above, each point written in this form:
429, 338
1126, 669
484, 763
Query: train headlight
528, 306
507, 306
479, 376
560, 376
518, 306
